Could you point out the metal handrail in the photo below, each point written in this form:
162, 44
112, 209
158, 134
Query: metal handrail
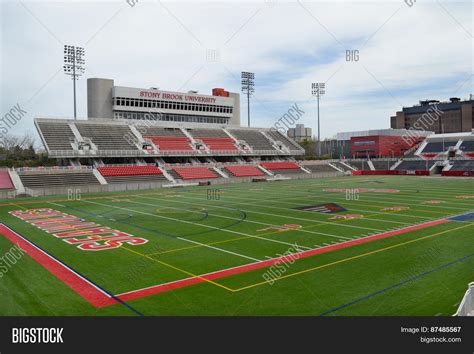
53, 168
139, 153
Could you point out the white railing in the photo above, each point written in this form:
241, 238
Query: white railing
125, 165
139, 153
53, 168
466, 307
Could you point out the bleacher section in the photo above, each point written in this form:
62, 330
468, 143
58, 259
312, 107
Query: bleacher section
59, 179
341, 166
171, 143
358, 164
160, 131
220, 144
412, 165
254, 138
383, 164
411, 151
277, 136
244, 171
195, 151
167, 139
111, 171
462, 165
120, 138
280, 165
287, 171
467, 146
107, 136
207, 133
57, 136
433, 147
187, 173
5, 180
320, 168
214, 139
131, 174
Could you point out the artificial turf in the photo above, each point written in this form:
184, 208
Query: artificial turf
191, 231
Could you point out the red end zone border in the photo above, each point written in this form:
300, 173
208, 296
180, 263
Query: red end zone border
99, 298
90, 292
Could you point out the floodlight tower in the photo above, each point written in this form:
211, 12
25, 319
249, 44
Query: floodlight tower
248, 87
74, 66
318, 89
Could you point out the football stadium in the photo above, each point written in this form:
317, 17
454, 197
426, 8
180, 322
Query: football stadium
166, 205
228, 175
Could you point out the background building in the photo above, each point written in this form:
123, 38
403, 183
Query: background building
299, 133
454, 116
104, 100
380, 142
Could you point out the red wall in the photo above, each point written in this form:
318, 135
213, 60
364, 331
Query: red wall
390, 172
458, 173
383, 146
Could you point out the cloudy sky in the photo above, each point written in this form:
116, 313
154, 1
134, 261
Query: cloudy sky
408, 50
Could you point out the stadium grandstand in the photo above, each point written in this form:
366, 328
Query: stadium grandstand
438, 154
147, 138
100, 155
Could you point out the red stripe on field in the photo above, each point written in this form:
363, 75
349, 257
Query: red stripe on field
267, 263
81, 286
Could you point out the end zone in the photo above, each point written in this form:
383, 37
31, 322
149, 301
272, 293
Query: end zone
93, 294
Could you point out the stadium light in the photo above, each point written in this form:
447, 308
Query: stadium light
248, 87
318, 89
74, 66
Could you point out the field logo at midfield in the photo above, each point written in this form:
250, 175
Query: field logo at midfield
395, 208
362, 190
326, 208
88, 236
284, 227
347, 217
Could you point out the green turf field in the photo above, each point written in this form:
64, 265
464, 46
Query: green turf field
194, 231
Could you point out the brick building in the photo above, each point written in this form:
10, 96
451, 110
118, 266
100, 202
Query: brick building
455, 116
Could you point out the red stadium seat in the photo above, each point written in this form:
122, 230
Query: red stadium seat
194, 172
244, 171
285, 165
110, 171
171, 143
5, 180
219, 144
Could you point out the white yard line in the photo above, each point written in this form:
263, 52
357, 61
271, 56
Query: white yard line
249, 221
313, 195
196, 224
312, 220
57, 204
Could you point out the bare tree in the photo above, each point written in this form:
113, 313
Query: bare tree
9, 141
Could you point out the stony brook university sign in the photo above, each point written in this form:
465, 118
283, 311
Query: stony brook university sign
176, 97
85, 235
